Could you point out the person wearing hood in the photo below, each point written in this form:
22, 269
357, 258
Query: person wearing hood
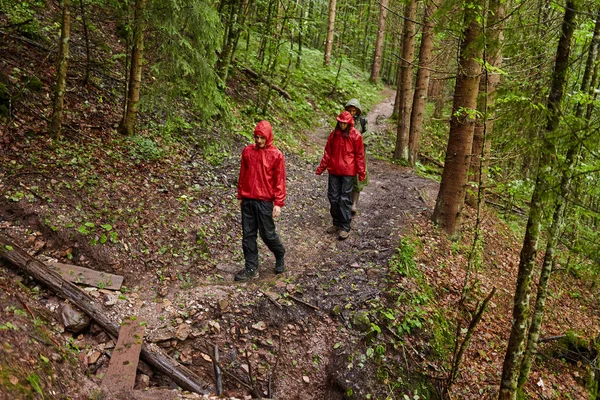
344, 159
360, 123
261, 194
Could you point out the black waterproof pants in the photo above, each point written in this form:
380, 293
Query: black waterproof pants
257, 217
339, 191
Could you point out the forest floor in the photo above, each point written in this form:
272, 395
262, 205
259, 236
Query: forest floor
298, 334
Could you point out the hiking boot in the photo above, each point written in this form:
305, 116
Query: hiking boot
355, 196
343, 235
279, 266
332, 229
246, 275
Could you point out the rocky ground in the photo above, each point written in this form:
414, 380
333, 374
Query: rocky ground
305, 334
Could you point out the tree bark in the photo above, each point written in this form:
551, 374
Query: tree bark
330, 26
383, 9
422, 83
451, 197
86, 36
557, 218
404, 96
516, 342
150, 353
485, 103
127, 126
61, 71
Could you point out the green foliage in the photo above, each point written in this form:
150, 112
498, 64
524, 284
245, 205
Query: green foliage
185, 39
23, 15
414, 310
144, 149
34, 381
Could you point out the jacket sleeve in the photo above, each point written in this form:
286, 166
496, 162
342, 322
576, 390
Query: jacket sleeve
359, 151
326, 156
280, 180
241, 176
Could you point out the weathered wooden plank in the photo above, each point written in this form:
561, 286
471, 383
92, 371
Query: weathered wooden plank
86, 276
151, 353
125, 357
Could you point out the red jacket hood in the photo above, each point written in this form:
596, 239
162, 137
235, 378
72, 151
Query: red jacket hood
346, 117
264, 129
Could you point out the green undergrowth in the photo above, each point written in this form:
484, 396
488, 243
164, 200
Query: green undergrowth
405, 316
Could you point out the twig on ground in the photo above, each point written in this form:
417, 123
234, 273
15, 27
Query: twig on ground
271, 299
303, 302
218, 379
271, 373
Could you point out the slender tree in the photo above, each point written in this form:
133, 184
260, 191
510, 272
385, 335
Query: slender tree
422, 82
486, 100
559, 212
238, 11
61, 71
127, 125
383, 9
516, 342
330, 27
86, 36
451, 196
404, 95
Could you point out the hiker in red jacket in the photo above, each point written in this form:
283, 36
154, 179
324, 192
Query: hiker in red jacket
261, 194
344, 159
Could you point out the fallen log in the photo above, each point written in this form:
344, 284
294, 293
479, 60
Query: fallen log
264, 80
152, 354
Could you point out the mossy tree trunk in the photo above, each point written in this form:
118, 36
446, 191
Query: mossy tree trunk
61, 71
557, 218
485, 104
127, 126
404, 96
516, 342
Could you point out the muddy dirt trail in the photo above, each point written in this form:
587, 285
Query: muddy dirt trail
322, 273
279, 330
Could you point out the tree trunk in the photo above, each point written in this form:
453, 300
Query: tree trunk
383, 9
485, 104
150, 353
557, 219
236, 21
86, 76
365, 40
127, 126
422, 83
516, 342
61, 71
330, 26
404, 96
451, 197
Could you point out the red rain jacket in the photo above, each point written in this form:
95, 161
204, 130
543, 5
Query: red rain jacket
344, 155
262, 171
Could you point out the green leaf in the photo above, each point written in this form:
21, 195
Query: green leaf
107, 227
44, 359
7, 247
337, 345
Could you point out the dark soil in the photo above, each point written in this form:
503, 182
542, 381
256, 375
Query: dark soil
298, 335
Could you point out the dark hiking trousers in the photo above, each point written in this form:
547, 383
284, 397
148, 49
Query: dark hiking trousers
339, 191
257, 217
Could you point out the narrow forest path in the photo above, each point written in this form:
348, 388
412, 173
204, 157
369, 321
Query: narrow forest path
321, 271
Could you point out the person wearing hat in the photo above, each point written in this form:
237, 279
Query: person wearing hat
360, 123
344, 160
